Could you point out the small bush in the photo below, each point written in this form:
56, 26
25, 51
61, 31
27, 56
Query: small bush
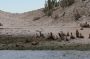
76, 15
66, 3
49, 7
49, 13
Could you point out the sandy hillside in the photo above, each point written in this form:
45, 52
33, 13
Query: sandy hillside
65, 15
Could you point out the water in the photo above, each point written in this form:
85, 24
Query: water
44, 54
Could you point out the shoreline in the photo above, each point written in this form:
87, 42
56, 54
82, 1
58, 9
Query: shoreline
78, 47
23, 43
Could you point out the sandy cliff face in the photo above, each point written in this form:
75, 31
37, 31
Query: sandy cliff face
66, 15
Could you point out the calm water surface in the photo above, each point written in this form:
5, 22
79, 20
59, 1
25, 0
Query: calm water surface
44, 54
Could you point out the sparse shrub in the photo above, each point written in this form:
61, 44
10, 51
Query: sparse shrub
72, 37
77, 34
36, 18
49, 6
49, 13
66, 3
76, 15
